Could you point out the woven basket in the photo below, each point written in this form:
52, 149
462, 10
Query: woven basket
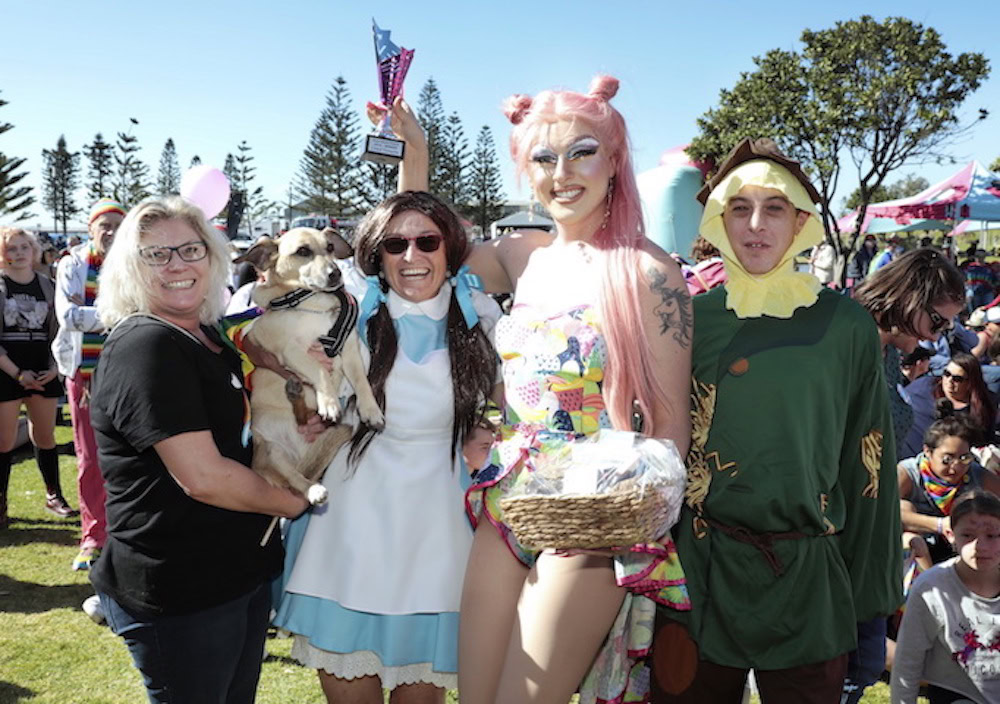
621, 518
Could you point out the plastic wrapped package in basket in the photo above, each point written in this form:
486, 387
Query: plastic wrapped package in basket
612, 489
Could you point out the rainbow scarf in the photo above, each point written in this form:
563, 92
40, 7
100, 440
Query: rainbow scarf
942, 493
93, 342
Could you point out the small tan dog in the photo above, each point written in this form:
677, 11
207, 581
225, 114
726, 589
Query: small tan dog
303, 300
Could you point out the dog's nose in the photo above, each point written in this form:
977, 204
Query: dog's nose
333, 278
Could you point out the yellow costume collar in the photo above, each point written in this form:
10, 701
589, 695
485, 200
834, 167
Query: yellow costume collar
780, 291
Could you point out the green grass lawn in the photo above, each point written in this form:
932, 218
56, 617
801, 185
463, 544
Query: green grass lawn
52, 653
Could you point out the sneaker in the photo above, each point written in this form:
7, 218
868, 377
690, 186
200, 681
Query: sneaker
92, 607
56, 505
86, 558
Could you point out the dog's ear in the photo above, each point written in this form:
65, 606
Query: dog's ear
341, 250
262, 255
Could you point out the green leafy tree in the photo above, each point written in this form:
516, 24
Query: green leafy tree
15, 197
886, 93
130, 182
100, 164
168, 181
486, 194
329, 179
430, 113
61, 179
910, 185
995, 166
452, 185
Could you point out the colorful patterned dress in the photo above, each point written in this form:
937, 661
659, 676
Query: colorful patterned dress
553, 372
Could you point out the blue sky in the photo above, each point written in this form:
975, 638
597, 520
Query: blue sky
209, 74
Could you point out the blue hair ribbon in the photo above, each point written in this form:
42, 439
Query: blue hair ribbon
463, 282
374, 297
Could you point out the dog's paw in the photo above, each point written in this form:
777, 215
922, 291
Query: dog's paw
328, 407
372, 415
317, 494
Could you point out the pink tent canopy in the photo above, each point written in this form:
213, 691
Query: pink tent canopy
970, 194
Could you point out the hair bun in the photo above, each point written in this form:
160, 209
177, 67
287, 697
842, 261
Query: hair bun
604, 87
944, 408
516, 107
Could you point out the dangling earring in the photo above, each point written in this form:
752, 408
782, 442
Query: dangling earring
607, 207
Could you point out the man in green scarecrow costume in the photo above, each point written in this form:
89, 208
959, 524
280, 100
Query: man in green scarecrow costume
789, 534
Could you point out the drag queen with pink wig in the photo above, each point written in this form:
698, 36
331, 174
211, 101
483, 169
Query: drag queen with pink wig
599, 336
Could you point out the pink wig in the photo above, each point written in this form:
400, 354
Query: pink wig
629, 374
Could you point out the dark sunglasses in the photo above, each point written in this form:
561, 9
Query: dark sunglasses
938, 322
398, 245
957, 377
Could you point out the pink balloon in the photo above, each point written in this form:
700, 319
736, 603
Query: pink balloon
206, 187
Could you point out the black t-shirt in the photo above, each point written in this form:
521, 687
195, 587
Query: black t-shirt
167, 553
25, 334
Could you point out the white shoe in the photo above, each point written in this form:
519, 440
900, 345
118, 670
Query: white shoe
92, 607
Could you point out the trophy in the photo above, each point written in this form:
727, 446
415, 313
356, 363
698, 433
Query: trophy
393, 62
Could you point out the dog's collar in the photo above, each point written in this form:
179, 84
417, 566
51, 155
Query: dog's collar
296, 296
347, 318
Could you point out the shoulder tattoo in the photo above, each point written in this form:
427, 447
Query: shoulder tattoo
673, 309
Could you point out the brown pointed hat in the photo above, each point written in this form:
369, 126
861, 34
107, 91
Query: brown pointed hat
749, 150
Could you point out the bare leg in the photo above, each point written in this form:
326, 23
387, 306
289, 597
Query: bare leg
362, 690
42, 421
422, 693
493, 582
566, 610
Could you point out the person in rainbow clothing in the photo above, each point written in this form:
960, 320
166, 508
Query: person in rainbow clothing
789, 534
76, 349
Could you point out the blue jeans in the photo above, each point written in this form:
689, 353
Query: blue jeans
211, 656
865, 665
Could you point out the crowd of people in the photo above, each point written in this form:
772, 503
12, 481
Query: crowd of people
838, 433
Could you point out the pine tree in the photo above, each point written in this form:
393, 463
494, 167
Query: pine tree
430, 112
329, 178
486, 194
256, 204
131, 177
232, 175
379, 182
61, 179
168, 182
195, 161
100, 156
14, 196
452, 184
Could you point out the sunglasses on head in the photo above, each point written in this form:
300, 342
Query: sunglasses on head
398, 244
957, 377
938, 322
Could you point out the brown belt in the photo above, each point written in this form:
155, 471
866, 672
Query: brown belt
764, 542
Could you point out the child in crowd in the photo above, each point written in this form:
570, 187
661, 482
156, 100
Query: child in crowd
930, 482
950, 635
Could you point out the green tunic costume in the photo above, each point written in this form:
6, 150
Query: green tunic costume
790, 418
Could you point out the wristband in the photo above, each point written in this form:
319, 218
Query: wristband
940, 526
17, 377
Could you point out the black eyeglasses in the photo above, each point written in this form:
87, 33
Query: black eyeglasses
938, 322
398, 245
959, 378
159, 255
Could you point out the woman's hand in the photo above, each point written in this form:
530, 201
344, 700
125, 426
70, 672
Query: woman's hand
29, 380
318, 354
313, 428
402, 121
45, 377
